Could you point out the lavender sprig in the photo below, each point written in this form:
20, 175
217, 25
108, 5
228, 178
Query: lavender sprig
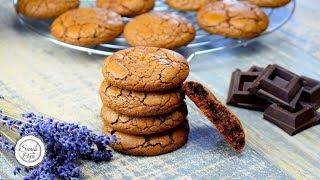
6, 145
71, 136
66, 143
17, 170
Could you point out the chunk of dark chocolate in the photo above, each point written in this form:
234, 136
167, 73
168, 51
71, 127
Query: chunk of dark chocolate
311, 92
257, 69
292, 122
278, 85
240, 96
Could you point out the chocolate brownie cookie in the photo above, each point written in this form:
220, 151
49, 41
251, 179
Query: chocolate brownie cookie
144, 125
87, 26
149, 145
139, 104
233, 19
146, 69
127, 7
224, 120
159, 30
188, 5
45, 9
269, 3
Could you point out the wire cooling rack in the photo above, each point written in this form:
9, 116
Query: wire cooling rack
203, 42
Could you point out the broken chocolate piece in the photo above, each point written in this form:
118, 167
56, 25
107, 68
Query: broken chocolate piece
292, 122
257, 69
240, 96
311, 92
278, 85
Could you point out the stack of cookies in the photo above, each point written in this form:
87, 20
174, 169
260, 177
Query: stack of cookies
143, 105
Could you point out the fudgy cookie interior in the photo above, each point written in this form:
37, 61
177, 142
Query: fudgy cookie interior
224, 120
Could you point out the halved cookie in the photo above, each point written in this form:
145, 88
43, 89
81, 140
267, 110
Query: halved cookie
225, 121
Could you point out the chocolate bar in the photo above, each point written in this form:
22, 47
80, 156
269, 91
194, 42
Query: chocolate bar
311, 92
295, 99
292, 122
240, 96
278, 85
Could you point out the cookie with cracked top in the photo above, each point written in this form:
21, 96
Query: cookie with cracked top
127, 7
225, 121
146, 69
87, 26
233, 19
45, 9
188, 5
140, 104
144, 125
159, 29
269, 3
149, 145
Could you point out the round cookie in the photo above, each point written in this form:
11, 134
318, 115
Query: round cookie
269, 3
233, 19
45, 9
139, 104
87, 26
157, 29
146, 69
149, 145
127, 7
188, 5
144, 125
224, 120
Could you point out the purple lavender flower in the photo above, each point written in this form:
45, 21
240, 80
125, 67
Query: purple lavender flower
6, 145
66, 143
17, 170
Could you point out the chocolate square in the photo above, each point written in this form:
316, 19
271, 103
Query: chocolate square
292, 122
311, 92
240, 96
278, 85
257, 69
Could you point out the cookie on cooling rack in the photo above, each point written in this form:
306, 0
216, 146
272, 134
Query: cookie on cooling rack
188, 5
87, 26
233, 19
127, 7
45, 9
269, 3
159, 29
